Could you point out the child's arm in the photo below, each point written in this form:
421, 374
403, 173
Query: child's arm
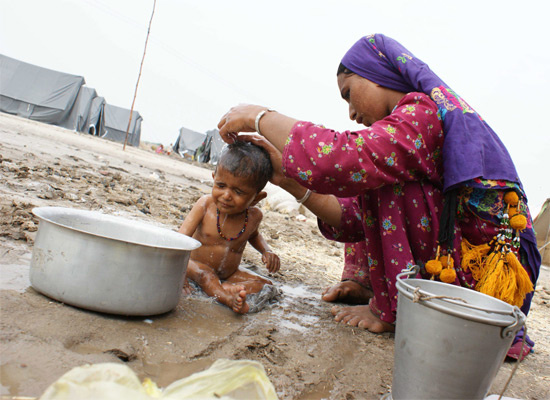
194, 218
270, 259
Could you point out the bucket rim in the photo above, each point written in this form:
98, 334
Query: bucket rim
48, 215
512, 317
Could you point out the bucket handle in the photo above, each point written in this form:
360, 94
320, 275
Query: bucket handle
506, 332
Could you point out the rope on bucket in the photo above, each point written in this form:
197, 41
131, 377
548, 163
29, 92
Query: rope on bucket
418, 296
517, 363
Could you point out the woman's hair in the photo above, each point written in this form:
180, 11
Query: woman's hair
343, 70
246, 160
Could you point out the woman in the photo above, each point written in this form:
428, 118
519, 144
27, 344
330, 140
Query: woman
425, 158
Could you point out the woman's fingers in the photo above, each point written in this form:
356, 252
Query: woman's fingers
240, 118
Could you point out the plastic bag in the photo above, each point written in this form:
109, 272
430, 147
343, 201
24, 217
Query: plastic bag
225, 379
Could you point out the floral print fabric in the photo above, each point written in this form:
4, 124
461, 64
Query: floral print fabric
388, 180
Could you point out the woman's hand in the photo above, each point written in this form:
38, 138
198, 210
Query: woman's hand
240, 118
274, 155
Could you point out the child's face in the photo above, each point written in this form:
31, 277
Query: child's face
232, 194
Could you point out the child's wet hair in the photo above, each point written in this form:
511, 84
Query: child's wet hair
246, 160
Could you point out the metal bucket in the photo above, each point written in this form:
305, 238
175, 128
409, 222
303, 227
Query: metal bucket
450, 347
110, 264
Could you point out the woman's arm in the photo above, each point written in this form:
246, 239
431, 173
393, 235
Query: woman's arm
274, 126
326, 207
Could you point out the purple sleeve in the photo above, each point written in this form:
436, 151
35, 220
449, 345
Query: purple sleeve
404, 146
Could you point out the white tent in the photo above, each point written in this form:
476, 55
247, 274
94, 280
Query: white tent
36, 93
541, 224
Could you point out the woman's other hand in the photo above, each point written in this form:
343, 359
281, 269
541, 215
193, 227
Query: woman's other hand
240, 118
274, 155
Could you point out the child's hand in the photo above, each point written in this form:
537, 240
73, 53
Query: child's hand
271, 261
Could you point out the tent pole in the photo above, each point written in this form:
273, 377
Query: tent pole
139, 75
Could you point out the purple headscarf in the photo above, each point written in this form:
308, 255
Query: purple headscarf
471, 148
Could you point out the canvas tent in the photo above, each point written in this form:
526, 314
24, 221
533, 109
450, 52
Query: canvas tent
188, 142
541, 224
116, 122
76, 119
212, 148
95, 123
36, 93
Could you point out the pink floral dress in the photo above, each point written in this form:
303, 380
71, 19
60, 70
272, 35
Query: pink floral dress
388, 180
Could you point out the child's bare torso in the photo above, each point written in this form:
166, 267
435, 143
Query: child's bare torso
223, 256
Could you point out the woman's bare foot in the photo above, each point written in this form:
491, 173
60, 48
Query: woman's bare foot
238, 301
362, 317
347, 292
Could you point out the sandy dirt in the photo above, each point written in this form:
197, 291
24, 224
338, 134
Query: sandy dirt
305, 353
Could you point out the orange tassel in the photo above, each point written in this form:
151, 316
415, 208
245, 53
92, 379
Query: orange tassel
518, 222
473, 258
523, 282
448, 275
512, 211
446, 261
493, 282
433, 267
511, 198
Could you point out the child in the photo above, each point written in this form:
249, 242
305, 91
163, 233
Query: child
225, 221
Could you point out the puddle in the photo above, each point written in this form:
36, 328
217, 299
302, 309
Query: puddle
298, 291
296, 306
14, 277
12, 375
318, 393
284, 323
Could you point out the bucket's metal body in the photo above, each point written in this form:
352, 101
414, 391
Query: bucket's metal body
107, 263
445, 348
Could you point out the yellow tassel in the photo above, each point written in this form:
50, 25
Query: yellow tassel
433, 267
506, 279
518, 222
523, 282
448, 275
512, 211
511, 198
494, 280
446, 261
473, 258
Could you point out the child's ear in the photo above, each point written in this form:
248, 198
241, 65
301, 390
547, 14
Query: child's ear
259, 197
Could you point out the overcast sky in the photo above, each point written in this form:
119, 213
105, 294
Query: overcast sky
205, 56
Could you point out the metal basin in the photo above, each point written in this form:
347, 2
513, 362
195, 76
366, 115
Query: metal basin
109, 264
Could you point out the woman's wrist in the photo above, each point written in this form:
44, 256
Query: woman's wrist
295, 189
259, 117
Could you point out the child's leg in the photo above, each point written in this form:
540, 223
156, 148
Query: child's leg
252, 283
207, 279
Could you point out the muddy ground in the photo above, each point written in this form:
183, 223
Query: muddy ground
305, 353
